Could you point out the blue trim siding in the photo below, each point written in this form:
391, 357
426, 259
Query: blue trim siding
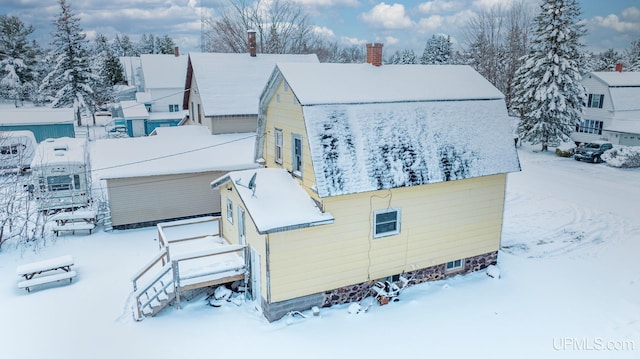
44, 131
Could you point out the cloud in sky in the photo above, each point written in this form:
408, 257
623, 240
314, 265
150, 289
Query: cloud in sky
438, 6
387, 17
629, 21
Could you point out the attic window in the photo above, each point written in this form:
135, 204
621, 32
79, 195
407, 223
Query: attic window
595, 100
386, 222
286, 87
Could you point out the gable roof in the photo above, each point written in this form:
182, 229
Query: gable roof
625, 98
278, 203
230, 84
163, 71
371, 128
325, 83
615, 78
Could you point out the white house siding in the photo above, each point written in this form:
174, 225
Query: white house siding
162, 98
604, 114
145, 200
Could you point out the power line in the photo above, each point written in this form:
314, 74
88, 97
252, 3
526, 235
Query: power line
173, 154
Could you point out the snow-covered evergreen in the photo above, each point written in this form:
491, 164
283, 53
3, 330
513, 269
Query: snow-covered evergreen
18, 59
406, 57
437, 51
548, 94
632, 56
70, 80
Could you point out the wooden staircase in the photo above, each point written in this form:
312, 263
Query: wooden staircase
165, 286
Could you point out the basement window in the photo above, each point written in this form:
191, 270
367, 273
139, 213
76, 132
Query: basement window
454, 266
386, 222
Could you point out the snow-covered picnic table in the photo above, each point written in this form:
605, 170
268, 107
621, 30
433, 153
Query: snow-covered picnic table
74, 221
45, 271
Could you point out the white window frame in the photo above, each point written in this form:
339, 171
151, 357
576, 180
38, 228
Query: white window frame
296, 166
595, 100
454, 266
278, 139
397, 221
229, 210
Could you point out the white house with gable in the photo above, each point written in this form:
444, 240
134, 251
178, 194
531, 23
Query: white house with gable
612, 111
222, 90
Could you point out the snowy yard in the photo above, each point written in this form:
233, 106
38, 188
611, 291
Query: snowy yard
569, 288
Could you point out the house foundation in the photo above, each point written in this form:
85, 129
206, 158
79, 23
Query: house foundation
357, 292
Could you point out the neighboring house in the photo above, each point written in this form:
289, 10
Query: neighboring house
166, 176
44, 122
162, 84
372, 173
612, 111
222, 90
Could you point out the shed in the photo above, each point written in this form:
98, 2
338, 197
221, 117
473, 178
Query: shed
148, 180
43, 122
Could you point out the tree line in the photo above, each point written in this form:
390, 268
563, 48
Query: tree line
71, 71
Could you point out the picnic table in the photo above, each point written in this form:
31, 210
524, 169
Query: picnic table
74, 221
46, 271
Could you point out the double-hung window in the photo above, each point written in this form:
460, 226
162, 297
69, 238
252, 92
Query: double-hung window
174, 108
595, 100
296, 155
278, 146
386, 222
229, 210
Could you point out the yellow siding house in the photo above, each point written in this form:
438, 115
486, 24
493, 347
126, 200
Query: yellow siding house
370, 173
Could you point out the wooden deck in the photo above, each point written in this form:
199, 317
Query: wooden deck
192, 255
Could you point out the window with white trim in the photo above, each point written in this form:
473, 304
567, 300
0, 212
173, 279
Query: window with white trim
590, 126
386, 222
278, 145
453, 266
296, 154
595, 100
174, 108
229, 210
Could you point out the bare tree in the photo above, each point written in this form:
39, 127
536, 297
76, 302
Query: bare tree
281, 26
496, 41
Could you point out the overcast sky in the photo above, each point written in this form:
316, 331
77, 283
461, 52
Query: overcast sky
402, 25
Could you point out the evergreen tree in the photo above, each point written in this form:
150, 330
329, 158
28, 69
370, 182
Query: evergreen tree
122, 46
70, 81
147, 44
608, 60
548, 94
632, 57
18, 60
437, 51
165, 45
108, 69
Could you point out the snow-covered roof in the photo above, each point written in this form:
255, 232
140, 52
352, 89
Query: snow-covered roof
625, 98
615, 78
143, 97
133, 109
36, 115
230, 84
163, 71
60, 150
367, 147
363, 83
174, 150
278, 203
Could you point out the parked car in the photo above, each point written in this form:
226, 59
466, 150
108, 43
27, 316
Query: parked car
592, 151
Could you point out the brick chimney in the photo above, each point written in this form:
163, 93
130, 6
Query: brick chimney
374, 54
176, 51
619, 67
251, 34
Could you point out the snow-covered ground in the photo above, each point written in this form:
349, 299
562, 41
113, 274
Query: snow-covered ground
569, 288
